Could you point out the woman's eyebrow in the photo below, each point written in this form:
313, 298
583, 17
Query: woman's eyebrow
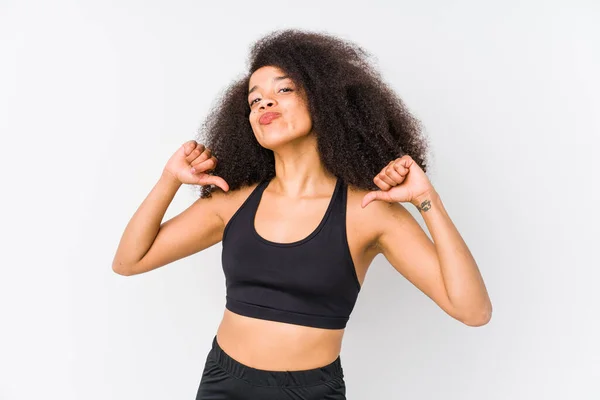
276, 79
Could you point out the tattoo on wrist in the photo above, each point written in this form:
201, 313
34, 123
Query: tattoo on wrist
424, 206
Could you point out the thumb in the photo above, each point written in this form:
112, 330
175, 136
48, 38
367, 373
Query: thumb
215, 180
372, 196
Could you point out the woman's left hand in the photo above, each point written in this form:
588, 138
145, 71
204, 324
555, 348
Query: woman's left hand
402, 180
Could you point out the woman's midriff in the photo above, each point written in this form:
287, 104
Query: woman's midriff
277, 346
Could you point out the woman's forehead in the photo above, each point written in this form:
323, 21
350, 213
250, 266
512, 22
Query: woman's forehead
266, 74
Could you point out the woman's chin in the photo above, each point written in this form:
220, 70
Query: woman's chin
273, 145
273, 141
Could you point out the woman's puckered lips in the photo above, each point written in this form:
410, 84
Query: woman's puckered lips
266, 118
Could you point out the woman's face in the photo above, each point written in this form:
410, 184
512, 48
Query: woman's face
278, 108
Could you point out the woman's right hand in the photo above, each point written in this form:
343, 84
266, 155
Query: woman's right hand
190, 163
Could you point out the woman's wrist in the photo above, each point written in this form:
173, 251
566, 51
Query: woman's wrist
423, 202
170, 179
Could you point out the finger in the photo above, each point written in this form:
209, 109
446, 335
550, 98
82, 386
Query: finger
195, 153
189, 146
215, 180
206, 154
393, 175
405, 161
205, 165
384, 175
400, 168
381, 184
387, 179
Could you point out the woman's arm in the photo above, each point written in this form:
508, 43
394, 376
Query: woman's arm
146, 244
443, 269
143, 227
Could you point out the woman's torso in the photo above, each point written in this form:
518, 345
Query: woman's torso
273, 345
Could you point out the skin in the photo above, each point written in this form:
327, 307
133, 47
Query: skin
291, 207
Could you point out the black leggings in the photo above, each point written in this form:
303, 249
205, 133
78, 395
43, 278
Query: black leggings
226, 379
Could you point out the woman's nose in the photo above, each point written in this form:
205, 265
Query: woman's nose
267, 103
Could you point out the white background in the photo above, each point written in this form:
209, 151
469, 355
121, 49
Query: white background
96, 95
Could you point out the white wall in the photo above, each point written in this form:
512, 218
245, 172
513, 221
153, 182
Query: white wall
95, 96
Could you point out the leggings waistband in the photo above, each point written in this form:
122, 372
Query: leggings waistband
275, 378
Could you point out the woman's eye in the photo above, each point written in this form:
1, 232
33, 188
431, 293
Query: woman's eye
286, 89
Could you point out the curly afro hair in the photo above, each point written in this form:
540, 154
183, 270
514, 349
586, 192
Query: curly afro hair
360, 123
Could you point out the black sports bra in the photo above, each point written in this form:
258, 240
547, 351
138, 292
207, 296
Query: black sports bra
309, 282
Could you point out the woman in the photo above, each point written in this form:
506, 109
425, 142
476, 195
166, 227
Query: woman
315, 154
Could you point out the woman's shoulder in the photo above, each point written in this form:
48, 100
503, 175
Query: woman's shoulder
231, 201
